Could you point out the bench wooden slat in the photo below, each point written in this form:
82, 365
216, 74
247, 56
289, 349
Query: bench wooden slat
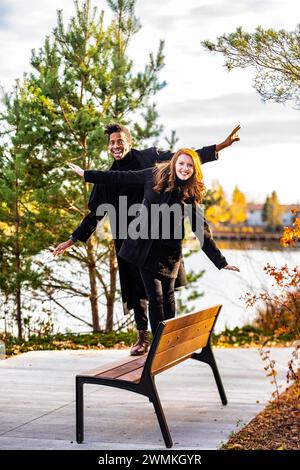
190, 319
181, 350
112, 365
172, 364
124, 369
133, 376
170, 340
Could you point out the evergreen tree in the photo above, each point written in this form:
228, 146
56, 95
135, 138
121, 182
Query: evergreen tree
272, 212
265, 214
82, 79
20, 213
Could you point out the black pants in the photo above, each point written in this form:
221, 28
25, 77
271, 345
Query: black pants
134, 290
160, 292
140, 308
139, 304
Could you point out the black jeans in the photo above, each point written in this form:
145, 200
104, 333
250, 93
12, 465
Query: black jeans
140, 308
135, 285
160, 292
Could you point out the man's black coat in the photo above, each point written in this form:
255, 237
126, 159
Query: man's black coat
135, 160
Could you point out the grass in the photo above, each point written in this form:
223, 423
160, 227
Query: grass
68, 341
250, 336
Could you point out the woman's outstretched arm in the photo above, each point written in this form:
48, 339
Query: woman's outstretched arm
137, 178
212, 251
208, 245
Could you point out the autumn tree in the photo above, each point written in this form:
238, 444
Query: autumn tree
291, 235
238, 207
279, 310
219, 208
274, 56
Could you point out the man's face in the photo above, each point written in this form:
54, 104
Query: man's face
118, 145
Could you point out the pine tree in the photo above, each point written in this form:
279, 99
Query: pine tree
82, 79
272, 212
20, 214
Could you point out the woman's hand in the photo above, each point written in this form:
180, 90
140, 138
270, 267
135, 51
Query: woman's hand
231, 268
77, 169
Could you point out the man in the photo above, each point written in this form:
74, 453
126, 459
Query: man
127, 158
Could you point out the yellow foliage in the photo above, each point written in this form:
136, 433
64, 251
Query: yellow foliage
291, 234
238, 208
8, 230
219, 212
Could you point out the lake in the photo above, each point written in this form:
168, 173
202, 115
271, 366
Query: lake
219, 287
227, 287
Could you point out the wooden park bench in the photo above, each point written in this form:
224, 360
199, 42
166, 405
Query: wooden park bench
175, 341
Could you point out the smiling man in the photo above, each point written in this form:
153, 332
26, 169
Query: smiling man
120, 142
127, 158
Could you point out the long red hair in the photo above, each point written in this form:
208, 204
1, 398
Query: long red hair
165, 177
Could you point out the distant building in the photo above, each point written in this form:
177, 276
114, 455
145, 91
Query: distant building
255, 215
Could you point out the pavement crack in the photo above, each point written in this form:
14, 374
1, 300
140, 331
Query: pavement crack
38, 417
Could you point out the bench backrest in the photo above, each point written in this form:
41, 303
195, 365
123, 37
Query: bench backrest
177, 339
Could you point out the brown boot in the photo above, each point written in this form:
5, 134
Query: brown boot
142, 344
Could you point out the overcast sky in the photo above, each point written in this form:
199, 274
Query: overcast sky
202, 101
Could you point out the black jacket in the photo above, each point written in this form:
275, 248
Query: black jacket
134, 160
101, 193
137, 250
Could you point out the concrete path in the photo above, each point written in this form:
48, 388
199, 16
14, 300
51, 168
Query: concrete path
37, 408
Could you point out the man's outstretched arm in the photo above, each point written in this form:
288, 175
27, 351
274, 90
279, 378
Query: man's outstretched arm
209, 154
206, 154
233, 137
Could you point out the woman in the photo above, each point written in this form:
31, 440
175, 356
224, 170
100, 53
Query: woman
174, 184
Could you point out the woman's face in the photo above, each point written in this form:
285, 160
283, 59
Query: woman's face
184, 167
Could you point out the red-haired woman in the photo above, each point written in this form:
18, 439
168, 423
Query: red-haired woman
156, 247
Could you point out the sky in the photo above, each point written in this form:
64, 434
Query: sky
202, 101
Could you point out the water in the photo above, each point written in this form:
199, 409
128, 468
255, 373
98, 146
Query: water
228, 287
219, 286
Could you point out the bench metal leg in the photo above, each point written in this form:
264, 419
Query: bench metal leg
79, 410
154, 398
208, 357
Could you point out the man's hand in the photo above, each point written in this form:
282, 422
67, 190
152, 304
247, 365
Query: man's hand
231, 268
77, 169
233, 137
62, 247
